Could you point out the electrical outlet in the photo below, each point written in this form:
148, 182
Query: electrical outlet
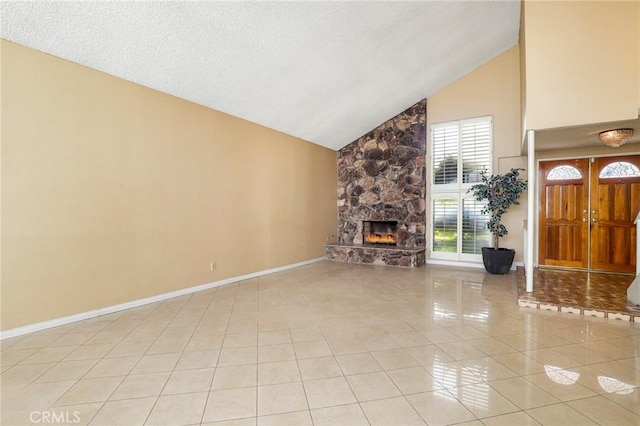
212, 265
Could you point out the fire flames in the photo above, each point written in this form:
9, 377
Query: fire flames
380, 239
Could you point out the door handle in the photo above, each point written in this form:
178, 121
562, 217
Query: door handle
594, 220
584, 219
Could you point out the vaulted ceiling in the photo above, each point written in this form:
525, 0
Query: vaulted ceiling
326, 72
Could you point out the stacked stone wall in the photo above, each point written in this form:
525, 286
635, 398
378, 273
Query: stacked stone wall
381, 176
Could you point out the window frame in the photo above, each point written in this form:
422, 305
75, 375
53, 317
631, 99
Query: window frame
455, 191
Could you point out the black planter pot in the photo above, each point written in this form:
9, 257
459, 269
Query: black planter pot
497, 261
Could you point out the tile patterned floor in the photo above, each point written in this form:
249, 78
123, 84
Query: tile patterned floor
585, 293
330, 343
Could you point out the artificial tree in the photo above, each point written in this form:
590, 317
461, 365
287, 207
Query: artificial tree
501, 192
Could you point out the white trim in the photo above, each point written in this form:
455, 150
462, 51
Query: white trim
19, 331
466, 264
452, 263
578, 157
532, 224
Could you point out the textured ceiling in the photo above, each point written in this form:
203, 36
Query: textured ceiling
327, 72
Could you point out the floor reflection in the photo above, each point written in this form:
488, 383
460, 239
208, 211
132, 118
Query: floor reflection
560, 375
611, 385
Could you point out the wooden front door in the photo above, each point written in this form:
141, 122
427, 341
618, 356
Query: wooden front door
615, 191
587, 212
564, 206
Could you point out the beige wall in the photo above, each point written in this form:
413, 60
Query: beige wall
582, 62
114, 192
493, 89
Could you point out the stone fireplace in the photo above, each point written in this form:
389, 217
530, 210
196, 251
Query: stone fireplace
381, 192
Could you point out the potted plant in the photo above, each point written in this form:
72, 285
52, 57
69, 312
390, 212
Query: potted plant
500, 191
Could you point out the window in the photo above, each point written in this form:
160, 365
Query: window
475, 234
445, 225
564, 172
461, 151
620, 169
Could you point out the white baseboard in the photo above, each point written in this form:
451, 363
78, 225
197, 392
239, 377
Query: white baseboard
465, 264
19, 331
454, 263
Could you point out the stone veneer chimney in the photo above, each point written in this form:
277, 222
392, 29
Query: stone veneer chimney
381, 176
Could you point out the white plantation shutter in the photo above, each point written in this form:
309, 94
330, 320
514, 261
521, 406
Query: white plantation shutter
475, 234
460, 151
445, 225
445, 142
476, 149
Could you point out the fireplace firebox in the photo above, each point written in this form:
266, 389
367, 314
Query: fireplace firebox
379, 232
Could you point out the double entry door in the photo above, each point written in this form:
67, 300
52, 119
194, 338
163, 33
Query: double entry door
587, 211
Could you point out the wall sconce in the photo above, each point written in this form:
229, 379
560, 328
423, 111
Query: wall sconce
615, 137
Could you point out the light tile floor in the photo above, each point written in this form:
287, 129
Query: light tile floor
331, 343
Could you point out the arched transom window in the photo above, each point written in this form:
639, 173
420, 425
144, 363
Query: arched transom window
620, 169
564, 172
